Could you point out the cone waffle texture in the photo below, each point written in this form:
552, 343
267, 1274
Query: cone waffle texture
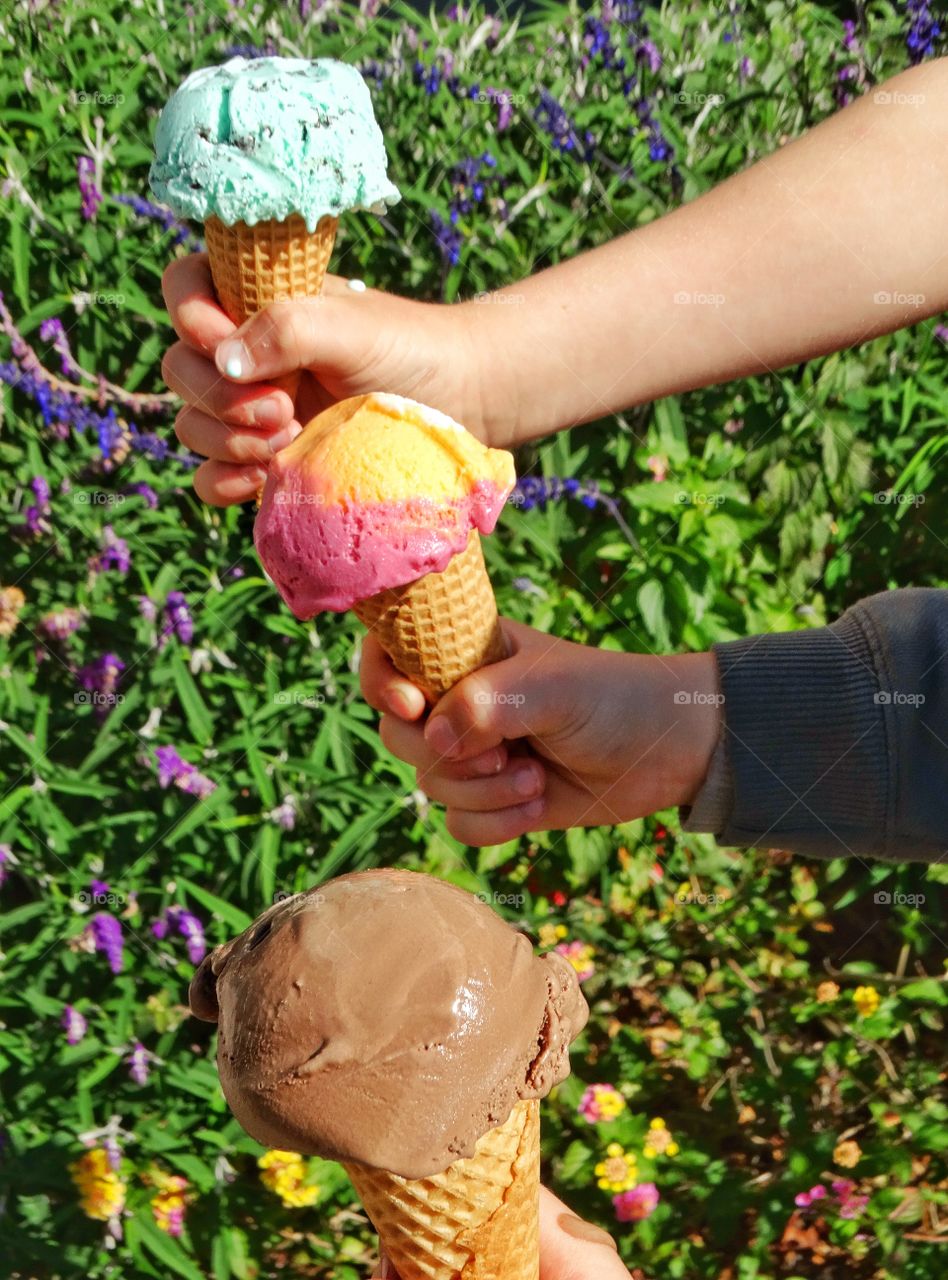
441, 627
479, 1220
268, 262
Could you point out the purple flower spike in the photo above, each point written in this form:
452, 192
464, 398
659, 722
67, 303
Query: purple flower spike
138, 1061
74, 1024
107, 935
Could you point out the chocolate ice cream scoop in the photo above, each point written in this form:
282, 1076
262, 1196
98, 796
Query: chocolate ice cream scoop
385, 1018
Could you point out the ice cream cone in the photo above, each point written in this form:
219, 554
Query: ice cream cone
268, 262
479, 1220
440, 627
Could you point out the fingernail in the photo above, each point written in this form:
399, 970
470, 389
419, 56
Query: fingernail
588, 1231
525, 781
441, 737
233, 359
267, 414
490, 764
284, 437
534, 809
399, 700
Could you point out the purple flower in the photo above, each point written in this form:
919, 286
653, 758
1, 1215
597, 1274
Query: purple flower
137, 1062
941, 332
74, 1024
6, 861
923, 30
107, 936
449, 239
178, 618
554, 120
99, 889
59, 625
88, 188
284, 815
145, 491
173, 769
114, 553
159, 213
100, 679
147, 608
188, 925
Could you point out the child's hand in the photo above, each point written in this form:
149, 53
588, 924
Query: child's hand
556, 736
347, 342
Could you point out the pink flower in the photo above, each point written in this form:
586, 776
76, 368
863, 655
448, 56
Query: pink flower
580, 955
601, 1102
658, 465
637, 1204
806, 1198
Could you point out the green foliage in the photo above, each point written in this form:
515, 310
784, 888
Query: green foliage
707, 963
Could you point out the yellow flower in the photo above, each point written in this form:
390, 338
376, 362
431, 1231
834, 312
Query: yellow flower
101, 1190
284, 1173
551, 934
866, 1000
826, 992
659, 1141
619, 1171
847, 1154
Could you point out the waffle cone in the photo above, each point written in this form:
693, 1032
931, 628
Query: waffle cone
268, 262
479, 1220
441, 627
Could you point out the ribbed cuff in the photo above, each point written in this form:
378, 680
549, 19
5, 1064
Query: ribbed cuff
804, 749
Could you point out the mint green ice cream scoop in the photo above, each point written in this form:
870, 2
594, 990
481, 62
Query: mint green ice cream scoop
260, 139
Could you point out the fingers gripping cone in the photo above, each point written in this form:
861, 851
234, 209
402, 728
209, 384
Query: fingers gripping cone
270, 261
440, 627
479, 1220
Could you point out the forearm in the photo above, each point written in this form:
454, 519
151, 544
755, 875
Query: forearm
833, 740
790, 259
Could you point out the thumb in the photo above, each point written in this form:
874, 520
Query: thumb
572, 1249
325, 333
518, 697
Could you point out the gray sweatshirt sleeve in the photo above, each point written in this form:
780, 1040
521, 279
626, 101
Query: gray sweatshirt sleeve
835, 740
